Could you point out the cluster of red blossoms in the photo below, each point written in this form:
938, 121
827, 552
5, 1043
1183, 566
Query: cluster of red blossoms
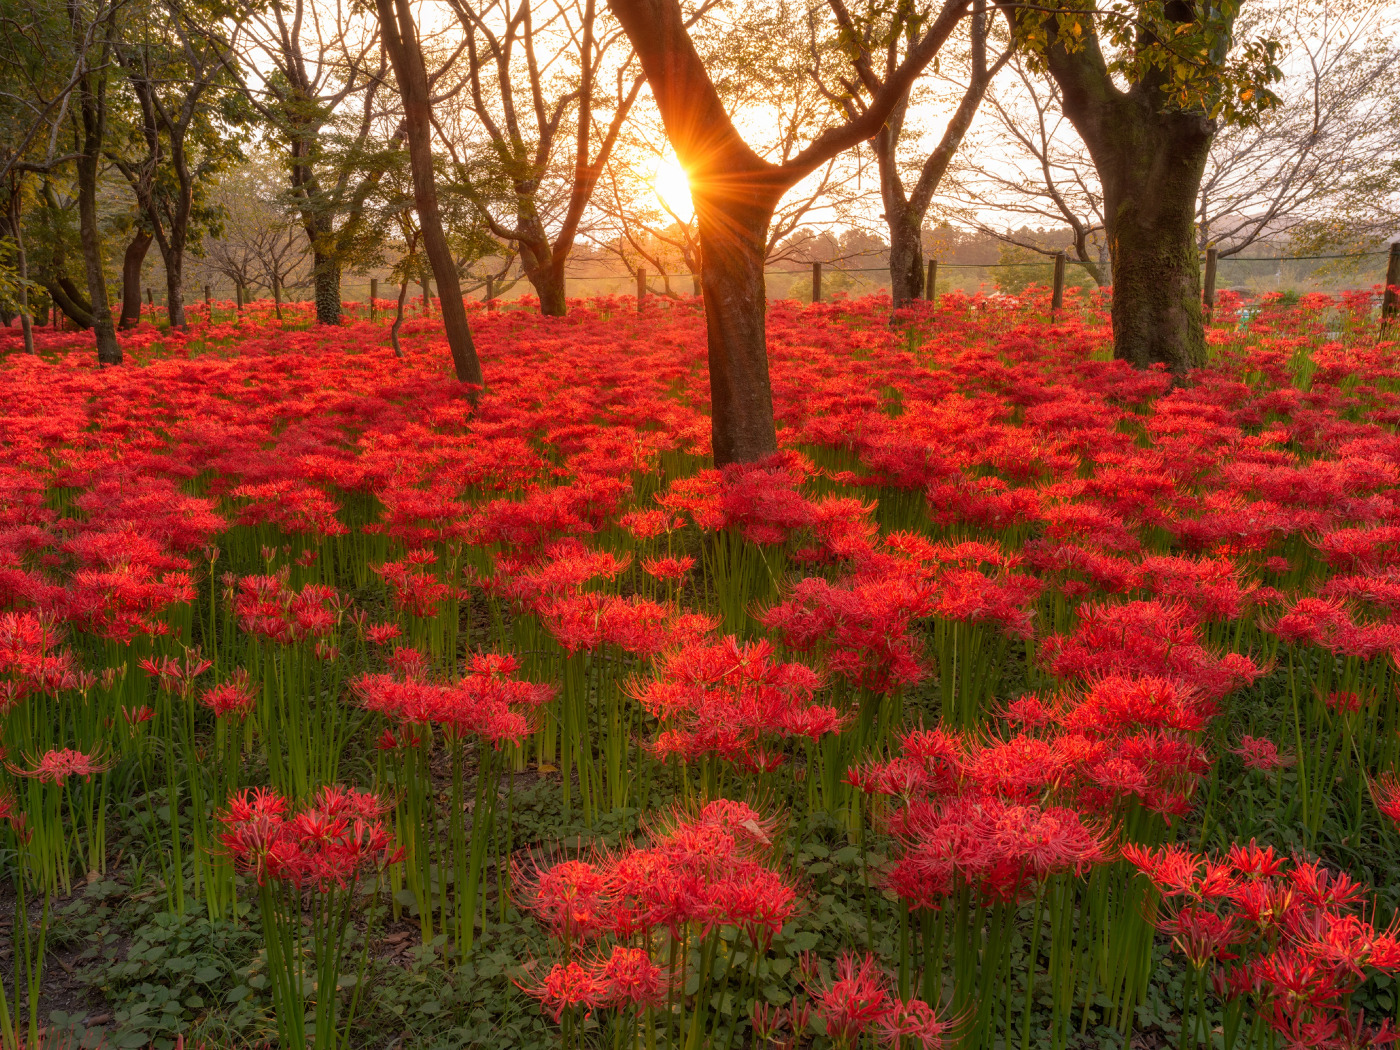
329, 843
486, 701
704, 871
860, 999
1281, 932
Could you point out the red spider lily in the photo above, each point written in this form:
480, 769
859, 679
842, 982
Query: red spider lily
671, 570
328, 843
1385, 790
177, 676
56, 766
236, 696
1260, 754
567, 986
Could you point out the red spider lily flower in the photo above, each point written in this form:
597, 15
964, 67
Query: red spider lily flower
135, 716
630, 978
858, 998
1385, 792
671, 570
1201, 935
55, 767
382, 633
236, 696
566, 987
177, 676
1260, 753
914, 1023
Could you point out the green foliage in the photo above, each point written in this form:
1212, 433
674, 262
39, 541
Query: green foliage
1183, 49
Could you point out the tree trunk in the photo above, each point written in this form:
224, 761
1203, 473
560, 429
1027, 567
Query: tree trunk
906, 258
131, 278
405, 54
1150, 211
109, 351
731, 278
549, 286
175, 287
327, 288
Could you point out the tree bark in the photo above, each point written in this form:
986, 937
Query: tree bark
325, 274
731, 279
1150, 161
406, 55
1150, 211
131, 278
906, 258
92, 108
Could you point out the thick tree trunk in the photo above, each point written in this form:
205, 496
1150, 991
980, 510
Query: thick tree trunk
906, 258
326, 277
131, 278
731, 278
1150, 205
400, 35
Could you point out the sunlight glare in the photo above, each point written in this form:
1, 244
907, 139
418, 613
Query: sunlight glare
673, 188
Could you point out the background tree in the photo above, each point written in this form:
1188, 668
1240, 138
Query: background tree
259, 244
735, 192
1146, 85
546, 121
405, 50
186, 122
875, 54
315, 75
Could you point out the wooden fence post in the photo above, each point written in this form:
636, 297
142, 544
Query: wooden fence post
931, 282
1208, 292
641, 287
1057, 294
373, 295
208, 304
816, 282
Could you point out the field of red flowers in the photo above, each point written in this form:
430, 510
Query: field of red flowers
1023, 700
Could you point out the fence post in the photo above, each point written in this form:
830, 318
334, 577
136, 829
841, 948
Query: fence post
1390, 301
1057, 295
816, 282
641, 287
1208, 292
150, 297
208, 304
490, 293
931, 282
373, 295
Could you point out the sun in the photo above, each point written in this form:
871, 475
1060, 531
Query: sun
672, 187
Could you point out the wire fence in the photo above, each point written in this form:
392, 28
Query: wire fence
1246, 276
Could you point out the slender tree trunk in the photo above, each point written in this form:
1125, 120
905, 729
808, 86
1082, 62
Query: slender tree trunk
175, 287
26, 324
131, 278
731, 277
1150, 211
109, 351
405, 53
